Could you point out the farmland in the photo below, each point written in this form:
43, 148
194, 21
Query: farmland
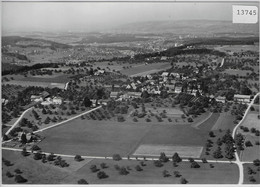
238, 48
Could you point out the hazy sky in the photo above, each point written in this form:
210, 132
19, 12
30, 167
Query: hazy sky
92, 16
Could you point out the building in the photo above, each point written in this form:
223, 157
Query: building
114, 94
242, 98
57, 100
221, 99
165, 74
36, 98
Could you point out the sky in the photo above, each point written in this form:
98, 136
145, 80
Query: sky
98, 16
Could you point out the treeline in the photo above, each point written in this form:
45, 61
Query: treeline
179, 51
12, 69
17, 55
223, 41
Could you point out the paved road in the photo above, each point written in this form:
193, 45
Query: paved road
124, 158
238, 162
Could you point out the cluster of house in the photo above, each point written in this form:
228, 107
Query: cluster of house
45, 99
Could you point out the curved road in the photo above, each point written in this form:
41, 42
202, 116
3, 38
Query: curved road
238, 162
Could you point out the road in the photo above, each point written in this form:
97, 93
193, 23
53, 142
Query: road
222, 62
238, 162
17, 121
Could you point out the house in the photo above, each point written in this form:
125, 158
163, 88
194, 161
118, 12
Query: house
99, 72
114, 94
149, 77
178, 89
221, 99
45, 94
242, 98
133, 86
165, 74
57, 100
176, 75
36, 98
130, 95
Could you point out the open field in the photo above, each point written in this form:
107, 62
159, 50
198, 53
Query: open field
155, 150
246, 175
169, 111
220, 174
209, 123
142, 70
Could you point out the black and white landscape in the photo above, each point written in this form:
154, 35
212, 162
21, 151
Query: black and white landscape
129, 93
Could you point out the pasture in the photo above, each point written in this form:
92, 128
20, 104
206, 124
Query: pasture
250, 153
155, 150
251, 121
246, 175
220, 174
225, 121
35, 83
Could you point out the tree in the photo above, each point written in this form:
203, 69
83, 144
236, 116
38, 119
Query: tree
117, 157
256, 162
93, 168
250, 171
78, 158
183, 181
204, 160
195, 165
252, 179
218, 153
103, 165
248, 144
138, 168
102, 175
51, 157
176, 174
23, 139
18, 171
166, 173
158, 163
87, 102
24, 152
211, 134
20, 179
163, 157
37, 156
9, 175
82, 181
176, 158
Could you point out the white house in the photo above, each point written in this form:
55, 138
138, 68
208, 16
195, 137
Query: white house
57, 100
220, 99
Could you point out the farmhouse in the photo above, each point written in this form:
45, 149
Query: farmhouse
242, 98
57, 100
36, 98
132, 95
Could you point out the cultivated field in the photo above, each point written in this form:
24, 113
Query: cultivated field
225, 121
99, 138
35, 83
237, 72
251, 121
155, 150
256, 176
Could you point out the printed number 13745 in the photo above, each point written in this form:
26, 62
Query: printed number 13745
246, 12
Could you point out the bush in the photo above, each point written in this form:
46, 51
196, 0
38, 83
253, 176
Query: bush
93, 168
176, 158
256, 162
163, 157
123, 171
20, 179
195, 165
190, 120
176, 174
252, 179
166, 173
117, 157
82, 181
204, 160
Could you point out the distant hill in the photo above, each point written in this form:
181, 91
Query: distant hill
30, 42
189, 27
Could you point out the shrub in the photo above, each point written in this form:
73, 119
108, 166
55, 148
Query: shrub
204, 160
166, 173
103, 165
248, 144
18, 171
123, 171
82, 181
93, 168
163, 157
176, 158
195, 165
252, 179
256, 162
176, 174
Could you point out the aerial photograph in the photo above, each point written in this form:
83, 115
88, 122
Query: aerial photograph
144, 92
